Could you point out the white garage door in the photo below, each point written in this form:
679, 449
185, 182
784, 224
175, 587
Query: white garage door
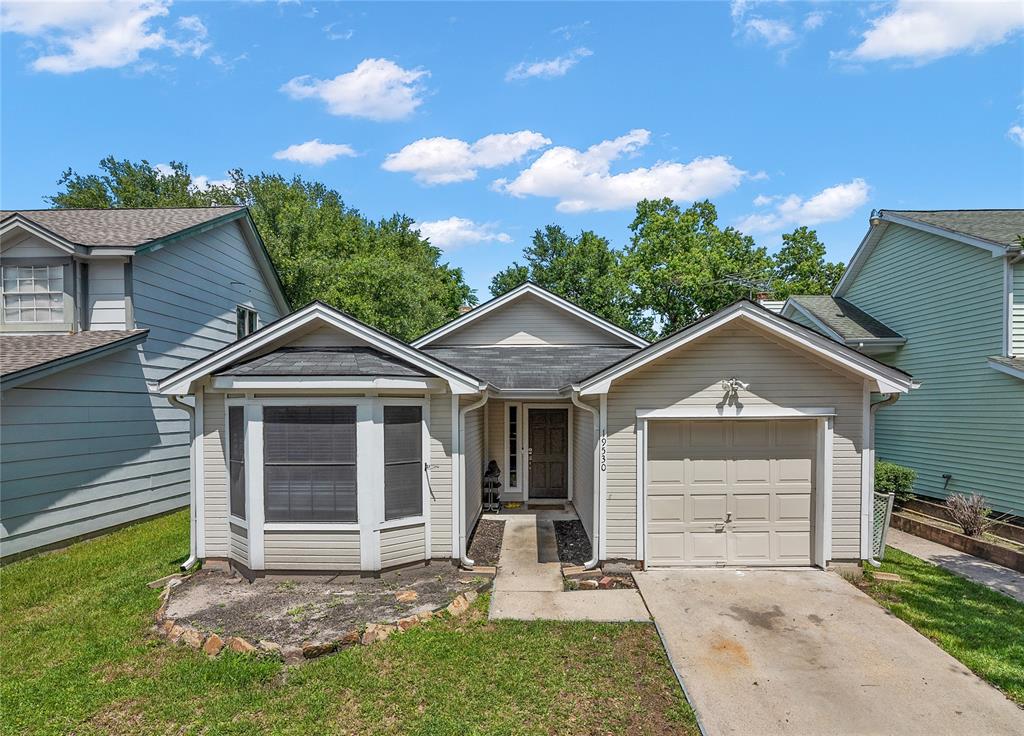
736, 492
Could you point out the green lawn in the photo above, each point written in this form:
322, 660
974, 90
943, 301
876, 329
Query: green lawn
981, 628
76, 657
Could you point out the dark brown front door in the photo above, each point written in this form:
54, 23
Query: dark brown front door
548, 453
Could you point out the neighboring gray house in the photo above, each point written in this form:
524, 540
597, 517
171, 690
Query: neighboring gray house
99, 305
326, 445
940, 294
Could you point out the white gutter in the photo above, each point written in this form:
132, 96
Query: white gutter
461, 510
595, 548
887, 401
193, 556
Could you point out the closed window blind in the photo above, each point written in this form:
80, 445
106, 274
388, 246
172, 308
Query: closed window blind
403, 462
236, 460
309, 457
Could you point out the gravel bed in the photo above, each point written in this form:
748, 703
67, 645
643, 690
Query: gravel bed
485, 544
573, 543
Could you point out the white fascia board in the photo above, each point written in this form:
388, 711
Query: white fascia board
20, 222
340, 383
889, 380
733, 412
266, 266
521, 290
180, 382
1007, 369
867, 245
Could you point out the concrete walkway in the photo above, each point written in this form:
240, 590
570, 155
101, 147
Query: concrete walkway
805, 652
1006, 581
528, 586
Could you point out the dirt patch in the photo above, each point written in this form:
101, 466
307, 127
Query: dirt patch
290, 610
485, 544
573, 543
729, 653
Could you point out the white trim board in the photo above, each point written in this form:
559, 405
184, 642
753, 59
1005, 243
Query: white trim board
888, 380
731, 412
339, 383
516, 293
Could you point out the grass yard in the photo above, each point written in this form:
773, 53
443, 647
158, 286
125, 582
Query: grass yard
77, 658
981, 628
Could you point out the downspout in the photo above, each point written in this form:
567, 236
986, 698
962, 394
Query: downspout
193, 556
596, 560
463, 560
889, 400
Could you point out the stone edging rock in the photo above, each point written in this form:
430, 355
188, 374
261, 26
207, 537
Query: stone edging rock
212, 644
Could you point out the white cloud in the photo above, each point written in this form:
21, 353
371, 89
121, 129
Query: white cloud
1016, 134
448, 160
814, 20
920, 32
338, 35
200, 182
547, 69
377, 89
314, 153
762, 200
771, 32
105, 34
582, 180
828, 205
456, 232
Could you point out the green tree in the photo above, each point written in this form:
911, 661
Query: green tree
584, 269
681, 266
383, 273
800, 266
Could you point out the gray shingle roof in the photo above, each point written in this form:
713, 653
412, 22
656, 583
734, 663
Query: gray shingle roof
328, 361
849, 321
1001, 227
119, 227
22, 352
531, 366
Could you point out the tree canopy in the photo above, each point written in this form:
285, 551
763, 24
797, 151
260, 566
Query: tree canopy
800, 266
383, 273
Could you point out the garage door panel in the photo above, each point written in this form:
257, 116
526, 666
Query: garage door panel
758, 474
706, 507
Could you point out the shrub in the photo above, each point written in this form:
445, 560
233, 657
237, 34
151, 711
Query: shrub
893, 478
970, 513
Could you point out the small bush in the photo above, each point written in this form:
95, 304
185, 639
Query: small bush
893, 478
970, 513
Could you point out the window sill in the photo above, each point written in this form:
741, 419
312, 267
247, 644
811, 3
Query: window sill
405, 521
310, 526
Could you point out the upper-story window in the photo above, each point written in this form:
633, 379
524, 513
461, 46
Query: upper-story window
33, 294
247, 321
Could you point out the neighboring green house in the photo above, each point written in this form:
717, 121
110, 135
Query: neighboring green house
940, 294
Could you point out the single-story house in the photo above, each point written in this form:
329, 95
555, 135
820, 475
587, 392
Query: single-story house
324, 444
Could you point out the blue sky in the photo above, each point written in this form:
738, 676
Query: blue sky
486, 121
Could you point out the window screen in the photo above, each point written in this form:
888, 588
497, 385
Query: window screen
236, 460
403, 462
309, 458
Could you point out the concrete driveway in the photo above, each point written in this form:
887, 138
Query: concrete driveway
805, 652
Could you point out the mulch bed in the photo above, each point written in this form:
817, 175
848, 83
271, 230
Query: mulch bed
573, 543
485, 544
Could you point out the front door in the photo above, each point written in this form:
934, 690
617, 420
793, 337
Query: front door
548, 453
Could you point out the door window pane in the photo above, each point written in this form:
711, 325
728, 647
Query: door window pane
513, 446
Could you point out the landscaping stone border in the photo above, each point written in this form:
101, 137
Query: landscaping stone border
212, 644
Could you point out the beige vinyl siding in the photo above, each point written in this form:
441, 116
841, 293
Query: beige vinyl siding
473, 449
495, 410
583, 467
402, 545
215, 478
778, 375
529, 321
946, 298
440, 476
106, 307
239, 543
328, 551
1017, 313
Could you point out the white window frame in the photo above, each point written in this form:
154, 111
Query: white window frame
250, 314
369, 474
506, 452
228, 404
67, 320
